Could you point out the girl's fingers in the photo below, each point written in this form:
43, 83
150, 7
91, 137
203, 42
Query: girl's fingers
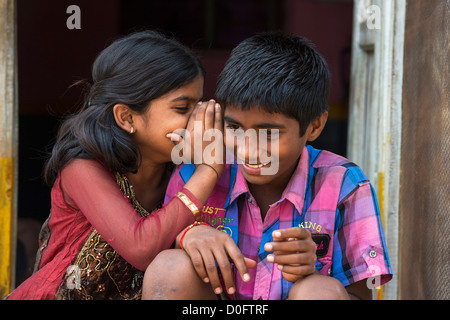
218, 123
198, 264
211, 269
226, 271
242, 263
192, 117
209, 115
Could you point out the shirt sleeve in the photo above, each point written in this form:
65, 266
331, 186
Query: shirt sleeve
176, 183
91, 188
359, 248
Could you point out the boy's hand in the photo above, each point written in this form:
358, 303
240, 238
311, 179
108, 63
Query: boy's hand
294, 251
206, 246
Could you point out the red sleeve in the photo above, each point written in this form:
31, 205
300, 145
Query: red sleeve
92, 188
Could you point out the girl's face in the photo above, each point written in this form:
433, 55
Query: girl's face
164, 115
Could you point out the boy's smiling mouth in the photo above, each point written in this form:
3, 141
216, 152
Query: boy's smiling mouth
256, 166
254, 169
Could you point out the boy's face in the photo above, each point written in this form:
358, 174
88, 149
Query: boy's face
280, 152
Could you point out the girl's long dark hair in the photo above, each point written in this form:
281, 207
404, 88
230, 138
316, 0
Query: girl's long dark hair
133, 70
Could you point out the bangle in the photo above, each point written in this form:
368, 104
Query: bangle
188, 203
211, 168
196, 223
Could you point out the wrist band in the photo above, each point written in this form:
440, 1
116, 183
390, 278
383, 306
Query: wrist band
211, 168
196, 223
191, 206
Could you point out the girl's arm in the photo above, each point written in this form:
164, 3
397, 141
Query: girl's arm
91, 188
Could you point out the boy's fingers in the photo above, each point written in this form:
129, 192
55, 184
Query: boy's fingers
292, 259
296, 270
294, 232
290, 246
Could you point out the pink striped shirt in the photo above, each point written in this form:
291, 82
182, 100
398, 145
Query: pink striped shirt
328, 195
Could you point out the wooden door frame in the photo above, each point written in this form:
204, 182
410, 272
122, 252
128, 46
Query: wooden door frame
374, 136
8, 143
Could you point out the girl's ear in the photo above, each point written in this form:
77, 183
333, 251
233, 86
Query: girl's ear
316, 126
124, 117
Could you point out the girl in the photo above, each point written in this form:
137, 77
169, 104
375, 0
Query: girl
110, 168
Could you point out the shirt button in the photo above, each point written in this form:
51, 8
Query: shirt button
372, 253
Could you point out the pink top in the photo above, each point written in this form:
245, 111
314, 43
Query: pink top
84, 196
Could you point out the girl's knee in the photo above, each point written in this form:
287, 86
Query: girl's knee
318, 287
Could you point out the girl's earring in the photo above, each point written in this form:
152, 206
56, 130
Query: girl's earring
131, 130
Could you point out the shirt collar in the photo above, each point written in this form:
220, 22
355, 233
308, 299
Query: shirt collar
240, 185
296, 188
294, 191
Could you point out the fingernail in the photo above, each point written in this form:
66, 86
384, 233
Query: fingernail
270, 258
268, 247
246, 277
218, 290
231, 290
206, 280
212, 100
217, 106
276, 234
279, 267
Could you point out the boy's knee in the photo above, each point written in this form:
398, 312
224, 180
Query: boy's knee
318, 287
166, 274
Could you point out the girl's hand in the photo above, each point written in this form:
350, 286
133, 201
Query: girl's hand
294, 251
206, 246
204, 129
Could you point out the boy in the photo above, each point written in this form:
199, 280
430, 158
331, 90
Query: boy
318, 210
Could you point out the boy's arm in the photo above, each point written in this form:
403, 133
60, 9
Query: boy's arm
360, 259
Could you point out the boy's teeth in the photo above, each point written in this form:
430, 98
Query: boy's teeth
256, 166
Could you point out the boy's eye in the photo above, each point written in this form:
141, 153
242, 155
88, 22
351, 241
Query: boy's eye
232, 126
270, 133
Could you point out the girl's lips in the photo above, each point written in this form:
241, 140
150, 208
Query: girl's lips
254, 169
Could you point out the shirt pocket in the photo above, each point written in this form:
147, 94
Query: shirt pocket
323, 265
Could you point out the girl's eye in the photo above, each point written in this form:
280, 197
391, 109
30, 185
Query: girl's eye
182, 109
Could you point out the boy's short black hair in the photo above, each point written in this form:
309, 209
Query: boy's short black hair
278, 73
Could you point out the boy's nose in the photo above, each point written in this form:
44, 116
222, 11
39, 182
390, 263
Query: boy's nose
248, 151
